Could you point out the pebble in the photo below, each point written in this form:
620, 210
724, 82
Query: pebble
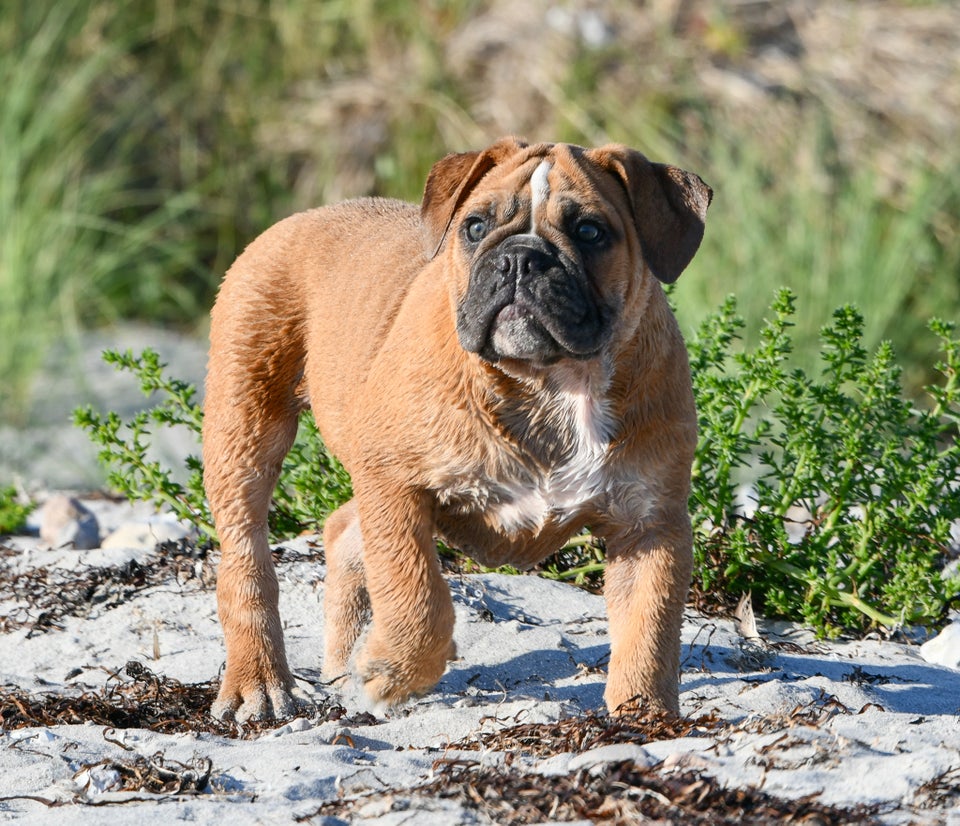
944, 649
297, 724
146, 534
597, 760
66, 522
96, 780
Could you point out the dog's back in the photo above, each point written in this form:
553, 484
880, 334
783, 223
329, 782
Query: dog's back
336, 277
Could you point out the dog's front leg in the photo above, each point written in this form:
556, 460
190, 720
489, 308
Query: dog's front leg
646, 583
411, 636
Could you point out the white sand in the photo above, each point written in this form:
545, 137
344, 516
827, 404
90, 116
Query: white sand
853, 722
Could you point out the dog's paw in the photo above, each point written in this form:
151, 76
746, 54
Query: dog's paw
259, 702
388, 682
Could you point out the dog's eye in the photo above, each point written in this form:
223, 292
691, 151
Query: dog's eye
475, 229
589, 232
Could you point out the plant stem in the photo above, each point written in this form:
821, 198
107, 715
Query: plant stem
575, 573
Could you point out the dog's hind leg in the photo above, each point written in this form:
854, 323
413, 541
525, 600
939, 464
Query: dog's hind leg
346, 602
250, 421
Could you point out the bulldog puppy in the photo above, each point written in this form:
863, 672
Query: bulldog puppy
498, 368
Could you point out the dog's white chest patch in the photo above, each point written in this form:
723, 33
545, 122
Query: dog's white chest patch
580, 478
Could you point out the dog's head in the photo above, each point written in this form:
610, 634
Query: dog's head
554, 245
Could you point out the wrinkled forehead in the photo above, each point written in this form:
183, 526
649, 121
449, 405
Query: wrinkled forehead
559, 173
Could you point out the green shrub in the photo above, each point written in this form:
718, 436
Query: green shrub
312, 482
13, 512
851, 489
124, 447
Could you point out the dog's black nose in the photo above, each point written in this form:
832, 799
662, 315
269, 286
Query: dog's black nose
524, 261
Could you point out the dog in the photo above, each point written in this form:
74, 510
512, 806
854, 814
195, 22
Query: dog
498, 368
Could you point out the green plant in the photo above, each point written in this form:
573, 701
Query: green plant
829, 498
13, 512
125, 446
581, 561
312, 482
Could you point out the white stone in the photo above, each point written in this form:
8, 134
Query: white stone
944, 649
66, 522
597, 759
146, 534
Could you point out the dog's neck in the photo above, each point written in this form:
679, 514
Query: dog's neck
552, 415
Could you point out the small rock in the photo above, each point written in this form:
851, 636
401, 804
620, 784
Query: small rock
378, 807
944, 649
99, 779
146, 534
297, 724
951, 570
300, 724
596, 760
558, 765
66, 522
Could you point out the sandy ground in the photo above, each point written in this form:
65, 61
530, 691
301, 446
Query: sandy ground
43, 449
845, 723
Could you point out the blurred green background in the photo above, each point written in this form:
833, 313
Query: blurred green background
144, 144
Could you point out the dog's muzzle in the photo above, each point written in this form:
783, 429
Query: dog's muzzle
526, 300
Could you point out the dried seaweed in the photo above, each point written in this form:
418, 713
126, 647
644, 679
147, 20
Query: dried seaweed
46, 596
154, 774
942, 792
622, 794
819, 710
578, 734
625, 794
146, 701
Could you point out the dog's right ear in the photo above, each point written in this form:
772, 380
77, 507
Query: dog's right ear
449, 183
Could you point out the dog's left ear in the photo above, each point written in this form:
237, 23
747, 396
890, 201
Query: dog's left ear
449, 183
669, 207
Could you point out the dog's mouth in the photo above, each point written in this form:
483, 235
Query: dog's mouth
526, 301
516, 333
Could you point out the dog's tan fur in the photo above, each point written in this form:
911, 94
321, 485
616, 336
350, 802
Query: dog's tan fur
351, 309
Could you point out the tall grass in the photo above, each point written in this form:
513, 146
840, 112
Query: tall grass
63, 237
142, 145
789, 214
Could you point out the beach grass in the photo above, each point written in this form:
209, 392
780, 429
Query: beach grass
142, 146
